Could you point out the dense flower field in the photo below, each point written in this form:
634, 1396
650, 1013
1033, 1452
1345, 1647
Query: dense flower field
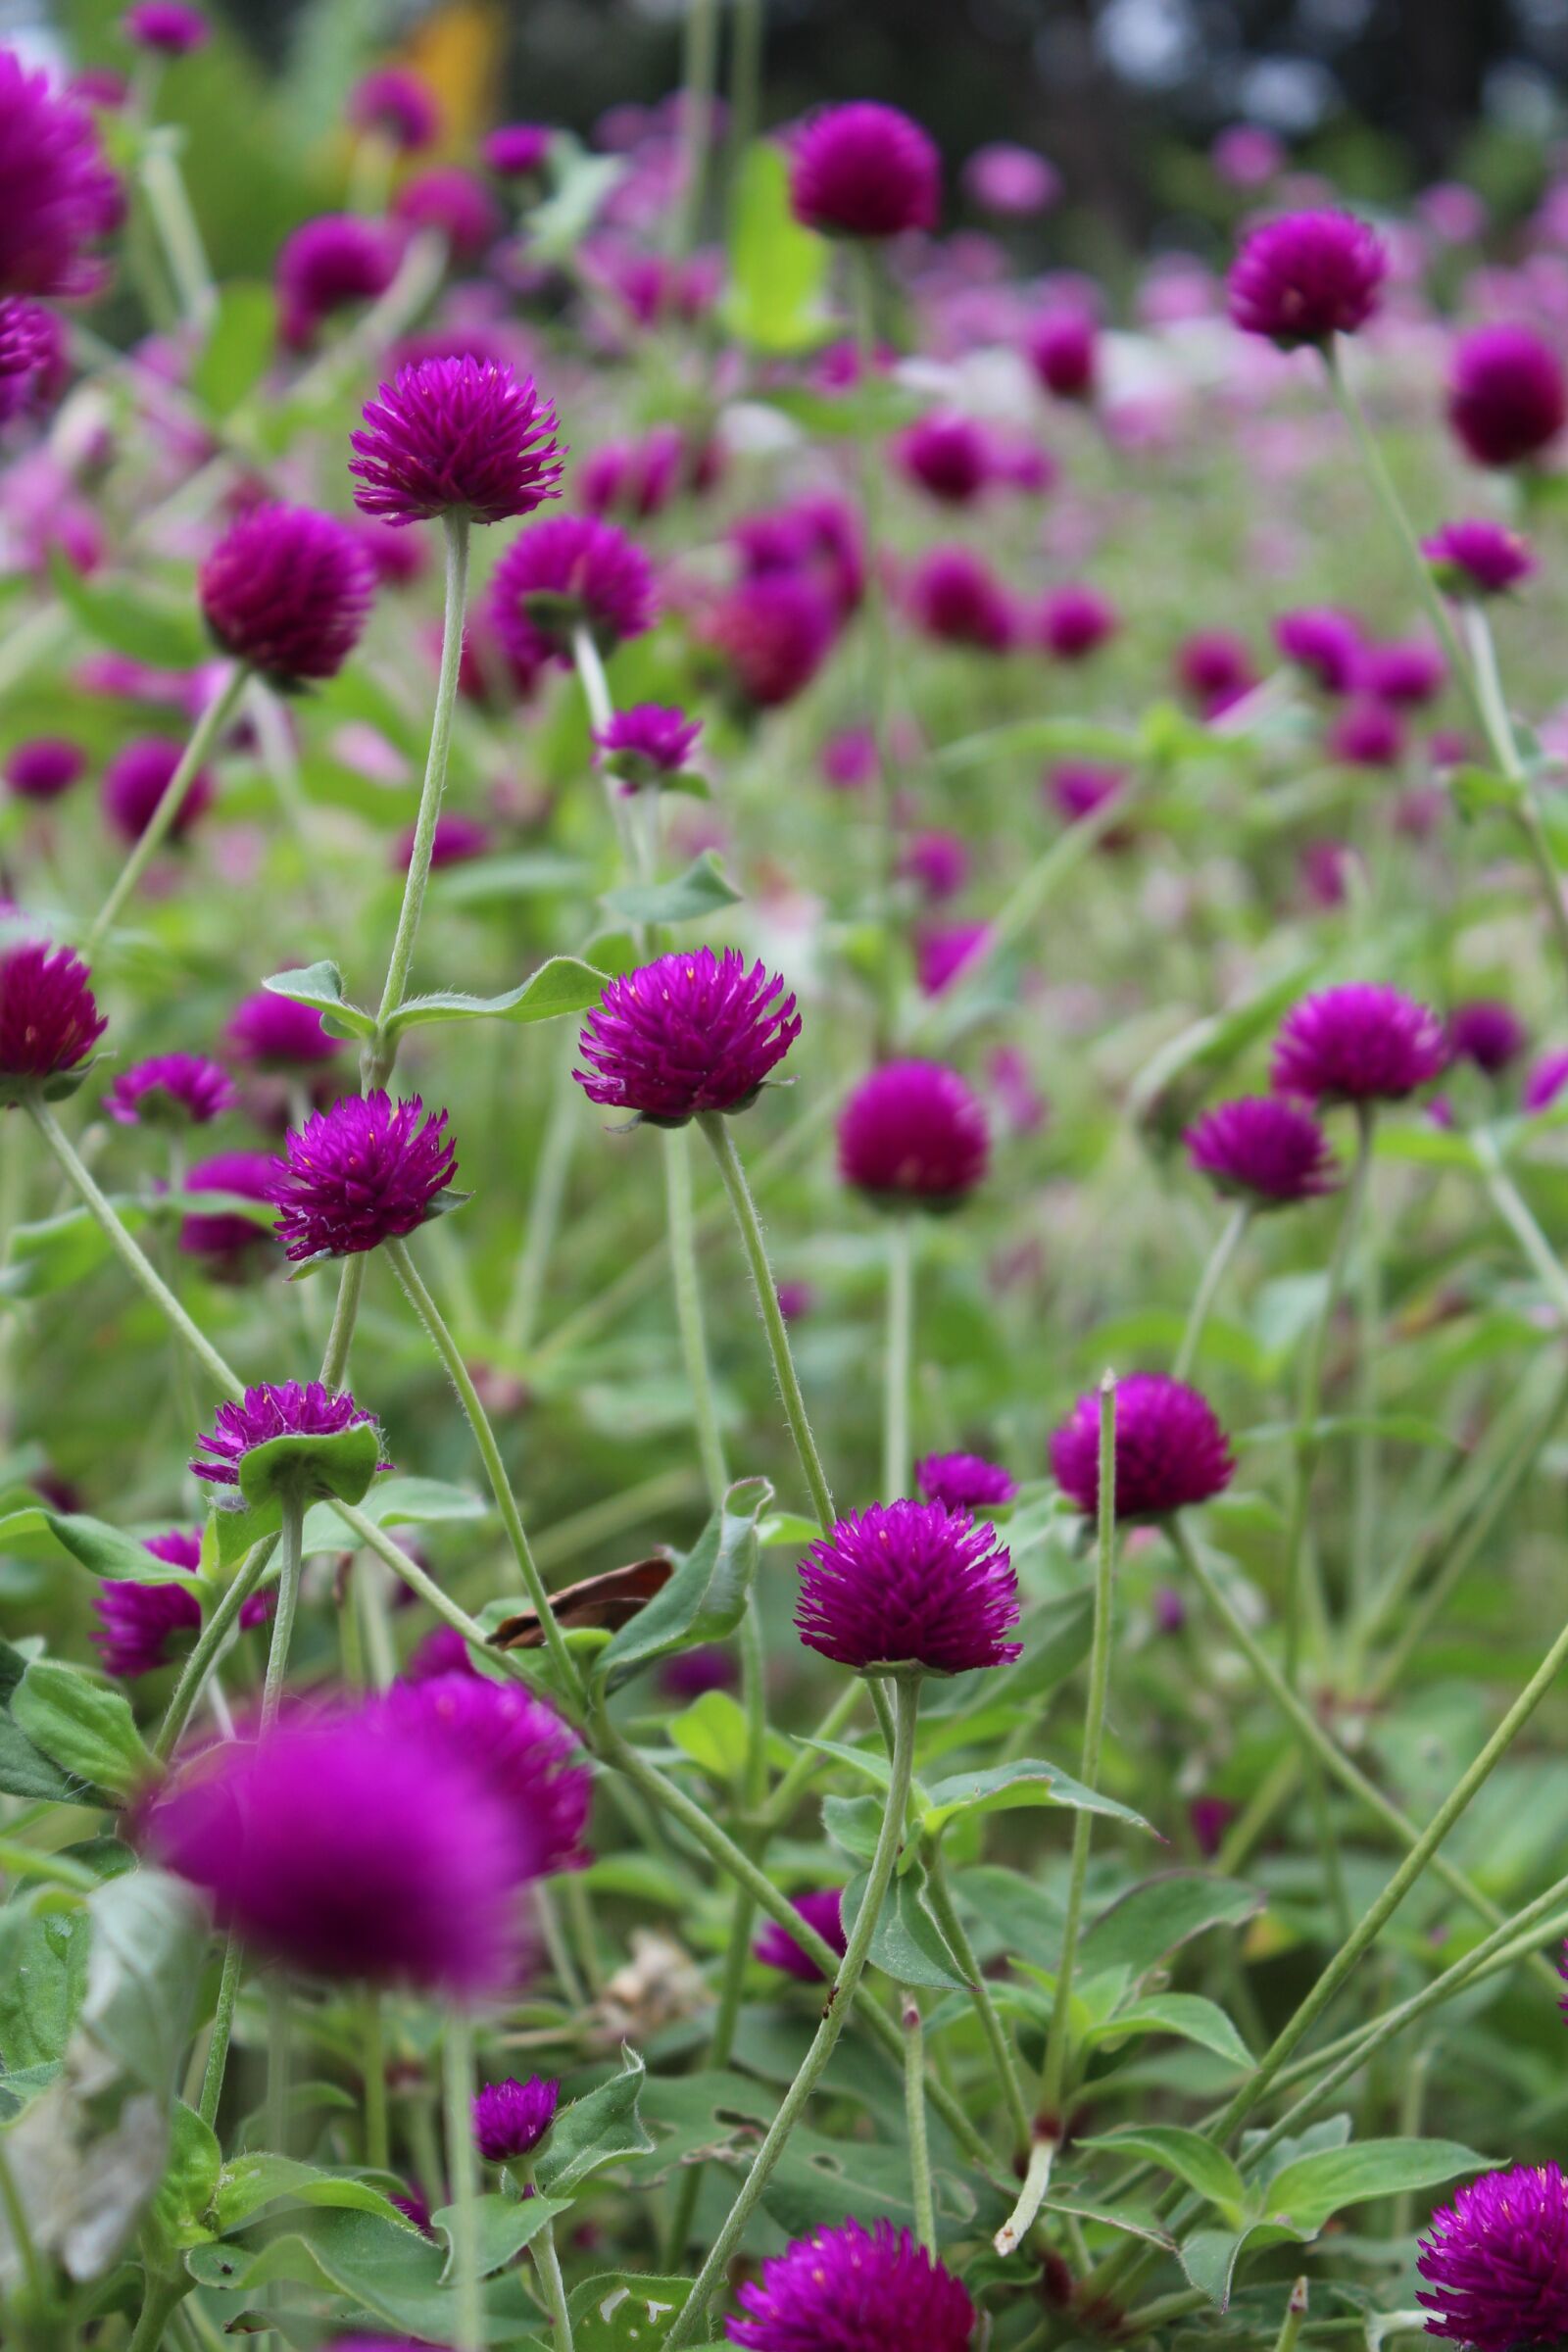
781, 1328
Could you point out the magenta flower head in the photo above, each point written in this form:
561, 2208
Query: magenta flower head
1406, 670
947, 455
364, 1172
1011, 181
1076, 621
34, 365
525, 1753
964, 1482
229, 1244
1265, 1149
864, 171
913, 1134
1306, 279
1478, 557
1547, 1078
852, 2289
1215, 668
44, 767
1367, 733
1171, 1451
648, 743
822, 1909
1323, 642
1488, 1032
774, 632
394, 105
287, 591
569, 572
1507, 400
456, 841
166, 26
170, 1090
455, 436
909, 1584
954, 596
1079, 788
453, 202
1496, 2262
326, 263
1063, 350
140, 1626
57, 194
1362, 1042
689, 1033
517, 150
938, 862
287, 1408
344, 1846
511, 2118
136, 779
273, 1033
181, 1547
49, 1022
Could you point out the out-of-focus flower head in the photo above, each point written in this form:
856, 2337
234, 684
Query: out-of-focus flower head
1307, 277
58, 196
326, 263
1479, 558
1011, 181
864, 171
396, 105
1508, 397
170, 1090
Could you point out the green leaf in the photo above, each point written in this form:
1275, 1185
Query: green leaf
238, 348
852, 1823
86, 1729
1007, 1787
601, 2129
1306, 2193
778, 269
388, 2269
706, 1597
565, 984
310, 1467
58, 1251
132, 618
1158, 1915
712, 1731
176, 2217
43, 1981
908, 1945
103, 1550
504, 2225
1188, 2155
251, 2182
701, 889
1209, 2257
148, 1939
322, 985
1185, 2014
623, 2311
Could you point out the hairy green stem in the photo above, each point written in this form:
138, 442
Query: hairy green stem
203, 735
546, 1201
1231, 1235
169, 202
463, 2171
547, 2262
897, 1355
210, 1640
925, 2214
689, 1308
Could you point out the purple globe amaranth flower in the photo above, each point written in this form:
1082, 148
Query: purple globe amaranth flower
49, 1020
349, 1846
455, 436
230, 1243
396, 105
1478, 557
774, 632
1325, 643
954, 596
1306, 279
442, 1650
1507, 398
169, 28
1362, 1042
820, 537
1265, 1149
136, 779
915, 1134
457, 840
286, 1409
947, 455
138, 1624
1488, 1032
853, 2289
268, 1032
181, 1547
864, 171
1062, 348
1075, 621
689, 1033
1012, 181
648, 742
1367, 733
516, 150
1171, 1451
57, 194
454, 202
1246, 156
326, 263
822, 1909
511, 2118
1081, 788
1215, 668
30, 358
249, 610
569, 572
942, 951
909, 1584
964, 1482
1496, 2262
364, 1172
1408, 671
939, 861
170, 1090
44, 767
525, 1753
1547, 1080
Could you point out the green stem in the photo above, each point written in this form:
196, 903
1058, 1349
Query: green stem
15, 2213
345, 1315
463, 2171
169, 202
748, 39
600, 711
897, 1362
700, 80
1510, 1205
1231, 1235
1035, 2181
222, 2028
1052, 2076
558, 1949
689, 1308
1504, 746
288, 1596
209, 1642
1294, 2318
1369, 1324
723, 1144
878, 634
998, 2040
547, 1200
547, 2262
162, 2297
836, 2016
447, 1349
377, 2134
203, 736
925, 2214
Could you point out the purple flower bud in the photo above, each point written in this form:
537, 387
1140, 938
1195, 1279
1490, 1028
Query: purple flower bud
1362, 1042
57, 194
1171, 1451
864, 171
138, 1623
1246, 156
516, 150
1215, 669
525, 1753
648, 742
1306, 279
454, 202
1012, 181
362, 1173
44, 767
943, 950
571, 571
914, 1133
947, 455
853, 2289
230, 1245
820, 537
1326, 644
511, 2118
170, 1090
1488, 1032
1265, 1149
396, 105
964, 1482
1496, 2262
1079, 788
954, 596
1367, 733
181, 1547
136, 779
1075, 621
822, 1909
939, 861
1062, 349
909, 1584
774, 632
455, 436
1408, 671
49, 1022
691, 1032
1478, 557
268, 1032
1507, 400
326, 263
288, 1408
457, 840
169, 28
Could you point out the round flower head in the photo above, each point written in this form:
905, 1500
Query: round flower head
288, 591
864, 171
1367, 733
136, 779
274, 1033
1215, 668
1507, 400
1488, 1032
442, 1650
1407, 670
947, 455
1496, 2262
1326, 644
516, 150
1478, 557
964, 1482
1170, 1450
139, 1624
326, 263
349, 1848
1075, 620
455, 436
1362, 1042
820, 537
693, 1032
938, 862
821, 1909
287, 1408
1012, 181
954, 596
914, 1133
943, 950
57, 194
172, 1089
229, 1243
396, 105
511, 2118
1246, 156
648, 742
1306, 279
166, 26
1547, 1080
1079, 788
852, 2289
49, 1022
1062, 351
457, 840
44, 767
569, 573
525, 1753
364, 1172
1265, 1149
909, 1584
774, 632
454, 202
